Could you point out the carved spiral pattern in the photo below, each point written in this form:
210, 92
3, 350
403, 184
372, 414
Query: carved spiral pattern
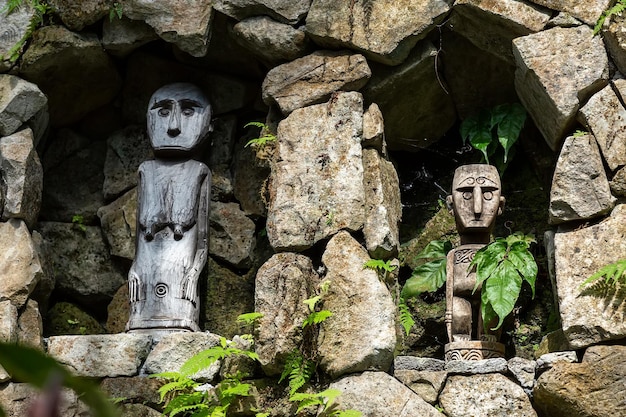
160, 290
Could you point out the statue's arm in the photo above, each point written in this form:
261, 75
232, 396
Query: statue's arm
134, 281
202, 246
449, 292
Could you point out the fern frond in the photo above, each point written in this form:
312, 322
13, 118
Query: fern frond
298, 370
619, 7
316, 318
612, 274
406, 318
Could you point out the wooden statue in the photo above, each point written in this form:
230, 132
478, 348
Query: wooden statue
172, 214
475, 201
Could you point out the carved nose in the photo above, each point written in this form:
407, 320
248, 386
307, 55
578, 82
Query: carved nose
478, 202
173, 127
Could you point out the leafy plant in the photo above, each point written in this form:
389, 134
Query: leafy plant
501, 267
580, 133
406, 318
619, 7
265, 137
430, 276
29, 365
79, 222
612, 274
499, 125
249, 318
325, 399
116, 10
41, 10
379, 265
298, 371
183, 395
316, 317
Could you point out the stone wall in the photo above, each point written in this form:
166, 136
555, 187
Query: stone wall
347, 87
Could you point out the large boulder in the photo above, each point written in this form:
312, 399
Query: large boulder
594, 387
316, 185
578, 170
20, 101
122, 36
313, 78
30, 326
16, 399
595, 313
19, 262
282, 285
286, 11
615, 40
80, 261
489, 395
557, 71
366, 26
231, 234
73, 70
383, 209
361, 333
588, 11
492, 25
419, 118
377, 394
605, 116
119, 224
22, 177
101, 355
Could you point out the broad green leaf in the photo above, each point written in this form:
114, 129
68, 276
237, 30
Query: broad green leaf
428, 277
487, 260
510, 126
524, 263
249, 318
25, 364
502, 289
330, 395
489, 316
435, 249
311, 302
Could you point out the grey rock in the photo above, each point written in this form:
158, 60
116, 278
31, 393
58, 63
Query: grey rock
360, 335
594, 313
594, 387
22, 177
313, 78
286, 11
606, 117
426, 384
19, 263
185, 24
231, 234
524, 372
137, 389
126, 150
250, 180
282, 285
316, 186
222, 141
615, 40
618, 183
30, 326
69, 319
73, 178
554, 341
492, 26
485, 366
410, 122
16, 400
72, 70
14, 26
118, 221
118, 311
122, 36
138, 410
80, 261
564, 20
174, 349
578, 170
414, 363
8, 322
588, 11
377, 394
548, 360
366, 26
489, 395
20, 101
374, 129
557, 70
272, 41
101, 355
383, 209
76, 16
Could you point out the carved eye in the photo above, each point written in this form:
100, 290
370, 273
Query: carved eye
467, 195
487, 195
188, 111
163, 112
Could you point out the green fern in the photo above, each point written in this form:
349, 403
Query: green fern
619, 7
41, 10
316, 317
379, 265
612, 274
406, 319
249, 318
264, 139
325, 399
298, 371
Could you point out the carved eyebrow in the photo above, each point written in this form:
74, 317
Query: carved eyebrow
162, 103
190, 103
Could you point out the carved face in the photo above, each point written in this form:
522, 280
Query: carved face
179, 117
476, 197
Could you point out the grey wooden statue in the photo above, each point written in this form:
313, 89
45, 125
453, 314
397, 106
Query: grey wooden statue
172, 214
475, 201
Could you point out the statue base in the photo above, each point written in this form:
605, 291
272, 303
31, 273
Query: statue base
473, 350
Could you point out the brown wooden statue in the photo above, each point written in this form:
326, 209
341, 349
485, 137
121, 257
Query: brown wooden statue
172, 214
475, 201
